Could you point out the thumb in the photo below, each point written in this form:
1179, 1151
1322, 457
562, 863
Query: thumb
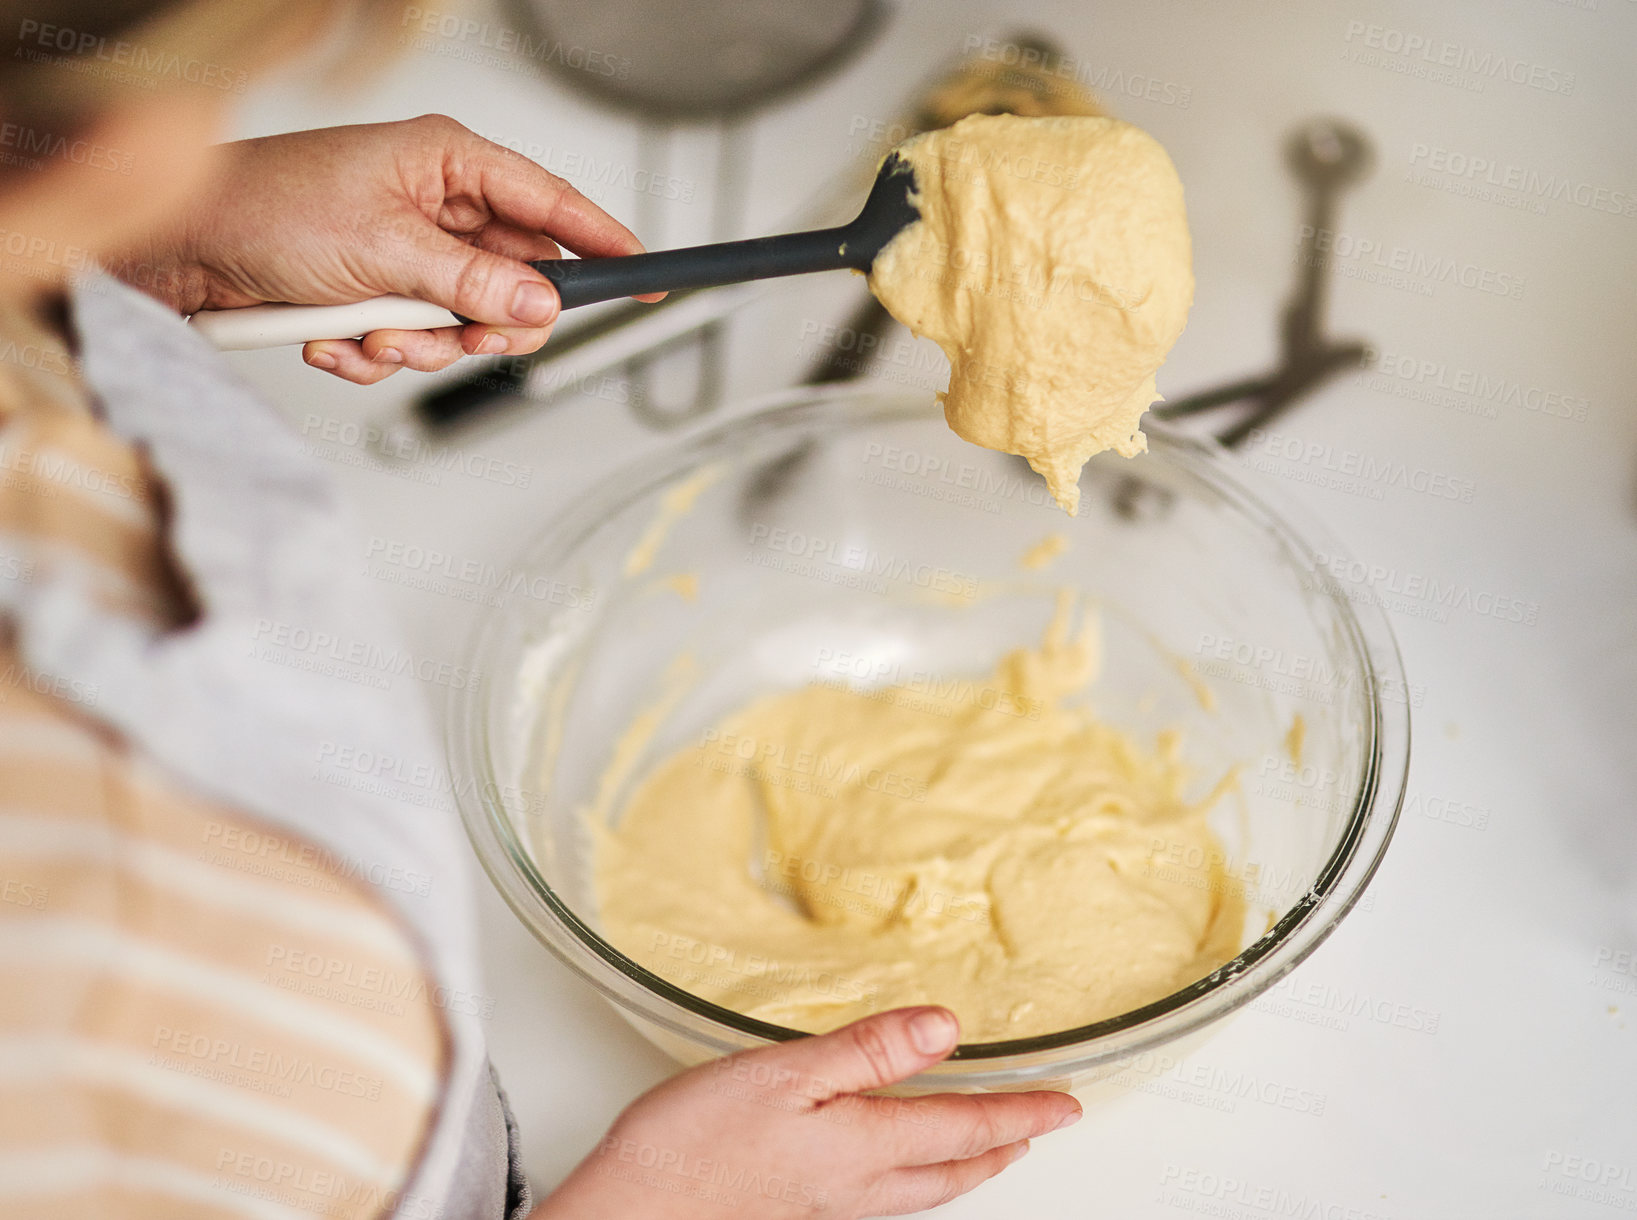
475, 283
868, 1054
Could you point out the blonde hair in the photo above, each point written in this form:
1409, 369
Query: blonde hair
64, 62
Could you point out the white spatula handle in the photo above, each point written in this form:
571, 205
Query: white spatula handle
257, 326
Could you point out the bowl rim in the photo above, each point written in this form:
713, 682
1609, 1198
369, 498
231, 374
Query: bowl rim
1336, 889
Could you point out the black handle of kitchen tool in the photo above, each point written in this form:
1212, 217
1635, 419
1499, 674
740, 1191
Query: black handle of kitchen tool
585, 281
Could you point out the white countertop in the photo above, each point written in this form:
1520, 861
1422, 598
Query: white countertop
1466, 1046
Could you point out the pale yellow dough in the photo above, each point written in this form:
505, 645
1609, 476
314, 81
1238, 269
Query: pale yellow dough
828, 853
1043, 553
1052, 264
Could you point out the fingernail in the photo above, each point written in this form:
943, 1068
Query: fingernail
490, 344
321, 360
933, 1031
1069, 1119
389, 355
533, 303
1019, 1151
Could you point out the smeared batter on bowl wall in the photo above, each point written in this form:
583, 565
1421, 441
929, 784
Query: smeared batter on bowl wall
830, 852
1052, 264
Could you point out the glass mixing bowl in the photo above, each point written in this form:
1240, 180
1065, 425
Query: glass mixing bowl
848, 535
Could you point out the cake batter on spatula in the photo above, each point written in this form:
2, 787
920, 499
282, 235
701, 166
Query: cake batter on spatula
1052, 264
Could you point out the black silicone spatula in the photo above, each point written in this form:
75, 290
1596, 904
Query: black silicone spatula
585, 281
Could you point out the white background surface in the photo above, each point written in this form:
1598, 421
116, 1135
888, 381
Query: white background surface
1501, 941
